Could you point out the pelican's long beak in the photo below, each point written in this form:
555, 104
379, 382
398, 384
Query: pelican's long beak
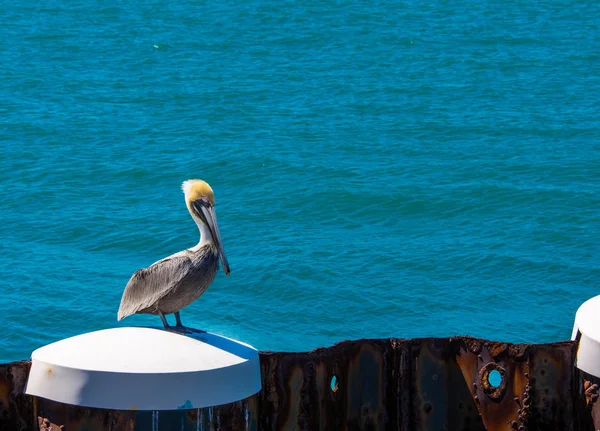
210, 218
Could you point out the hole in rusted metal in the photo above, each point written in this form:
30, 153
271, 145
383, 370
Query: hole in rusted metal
334, 384
494, 378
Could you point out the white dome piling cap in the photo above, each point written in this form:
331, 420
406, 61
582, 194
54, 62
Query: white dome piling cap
145, 369
587, 329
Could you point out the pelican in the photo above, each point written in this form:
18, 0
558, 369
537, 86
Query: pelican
176, 281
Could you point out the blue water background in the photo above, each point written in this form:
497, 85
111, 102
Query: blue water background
383, 169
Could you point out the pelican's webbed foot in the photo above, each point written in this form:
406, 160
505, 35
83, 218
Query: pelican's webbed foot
179, 328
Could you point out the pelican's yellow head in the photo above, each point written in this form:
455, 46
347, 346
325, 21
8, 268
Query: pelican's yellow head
197, 189
200, 201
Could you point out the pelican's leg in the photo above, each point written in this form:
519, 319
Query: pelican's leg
164, 320
178, 319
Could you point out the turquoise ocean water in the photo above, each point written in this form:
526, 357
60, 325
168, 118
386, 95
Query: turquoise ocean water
388, 169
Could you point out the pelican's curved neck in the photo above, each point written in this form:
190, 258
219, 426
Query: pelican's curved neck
205, 236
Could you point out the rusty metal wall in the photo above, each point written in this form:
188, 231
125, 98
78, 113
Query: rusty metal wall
432, 384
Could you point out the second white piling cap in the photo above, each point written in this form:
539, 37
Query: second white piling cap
587, 330
145, 369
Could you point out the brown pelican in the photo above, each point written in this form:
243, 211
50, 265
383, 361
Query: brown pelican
176, 281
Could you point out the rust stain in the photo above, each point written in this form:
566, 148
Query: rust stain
495, 403
5, 391
46, 425
366, 387
591, 392
497, 349
293, 390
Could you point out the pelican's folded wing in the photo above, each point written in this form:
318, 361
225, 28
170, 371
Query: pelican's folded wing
148, 285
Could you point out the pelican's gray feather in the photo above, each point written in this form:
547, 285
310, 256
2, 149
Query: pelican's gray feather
170, 284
